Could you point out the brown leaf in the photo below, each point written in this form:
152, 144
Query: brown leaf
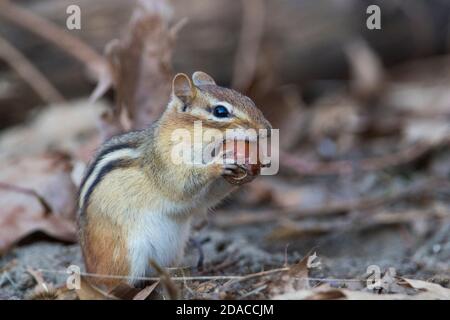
427, 131
51, 130
36, 194
431, 290
43, 290
88, 291
366, 67
124, 291
140, 67
296, 278
146, 292
428, 290
169, 286
326, 292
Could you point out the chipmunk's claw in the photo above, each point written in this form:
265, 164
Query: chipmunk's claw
237, 174
230, 169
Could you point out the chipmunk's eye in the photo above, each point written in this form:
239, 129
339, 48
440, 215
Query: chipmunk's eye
221, 111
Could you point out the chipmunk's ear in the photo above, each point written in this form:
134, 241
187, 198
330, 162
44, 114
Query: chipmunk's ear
182, 88
200, 78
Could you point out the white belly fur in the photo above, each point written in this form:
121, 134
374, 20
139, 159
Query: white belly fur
156, 236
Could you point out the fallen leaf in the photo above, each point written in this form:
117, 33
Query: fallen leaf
366, 69
140, 68
36, 194
311, 295
124, 291
146, 292
66, 127
171, 289
88, 291
429, 291
293, 280
325, 292
430, 131
432, 290
43, 290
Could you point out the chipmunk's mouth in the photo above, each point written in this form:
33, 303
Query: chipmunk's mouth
244, 151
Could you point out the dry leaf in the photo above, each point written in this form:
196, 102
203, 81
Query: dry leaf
124, 291
172, 290
432, 290
430, 131
325, 292
295, 279
63, 293
146, 292
311, 295
140, 64
88, 291
36, 194
418, 98
63, 127
46, 291
366, 68
43, 290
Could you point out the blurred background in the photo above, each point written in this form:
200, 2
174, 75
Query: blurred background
364, 119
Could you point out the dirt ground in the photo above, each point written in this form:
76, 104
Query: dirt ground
415, 246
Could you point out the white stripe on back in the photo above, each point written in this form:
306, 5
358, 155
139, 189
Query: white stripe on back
107, 158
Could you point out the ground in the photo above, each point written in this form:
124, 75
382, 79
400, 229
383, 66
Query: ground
416, 247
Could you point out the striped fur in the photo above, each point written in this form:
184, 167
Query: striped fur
135, 205
108, 159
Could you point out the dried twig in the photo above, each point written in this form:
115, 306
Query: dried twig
289, 229
245, 62
255, 275
54, 34
140, 64
29, 73
402, 157
272, 215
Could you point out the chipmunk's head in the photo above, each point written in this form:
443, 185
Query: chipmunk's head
201, 99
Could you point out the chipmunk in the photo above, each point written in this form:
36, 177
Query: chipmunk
136, 205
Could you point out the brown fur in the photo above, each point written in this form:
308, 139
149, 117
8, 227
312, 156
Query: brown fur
103, 226
254, 117
104, 250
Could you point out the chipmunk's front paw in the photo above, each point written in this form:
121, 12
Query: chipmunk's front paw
230, 169
223, 165
225, 170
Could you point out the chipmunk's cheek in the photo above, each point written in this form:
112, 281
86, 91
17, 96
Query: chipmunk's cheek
245, 154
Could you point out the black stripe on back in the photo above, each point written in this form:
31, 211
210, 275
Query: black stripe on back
99, 157
119, 163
